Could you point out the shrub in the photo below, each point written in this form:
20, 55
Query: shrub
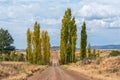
4, 57
12, 57
21, 57
115, 53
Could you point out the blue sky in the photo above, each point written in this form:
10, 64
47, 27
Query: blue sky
102, 18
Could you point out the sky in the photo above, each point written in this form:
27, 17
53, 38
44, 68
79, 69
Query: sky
102, 19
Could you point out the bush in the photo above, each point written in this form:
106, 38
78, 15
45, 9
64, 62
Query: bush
115, 53
21, 57
4, 57
12, 57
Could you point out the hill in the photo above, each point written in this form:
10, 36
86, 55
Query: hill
107, 47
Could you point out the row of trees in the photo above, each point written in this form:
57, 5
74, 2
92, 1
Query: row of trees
68, 38
38, 46
84, 53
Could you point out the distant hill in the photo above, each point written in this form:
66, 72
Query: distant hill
107, 47
55, 48
94, 47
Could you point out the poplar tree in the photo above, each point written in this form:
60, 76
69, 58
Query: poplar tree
73, 39
89, 51
68, 38
29, 46
45, 47
36, 44
98, 53
83, 42
43, 38
94, 54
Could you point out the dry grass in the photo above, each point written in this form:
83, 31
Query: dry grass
105, 68
18, 70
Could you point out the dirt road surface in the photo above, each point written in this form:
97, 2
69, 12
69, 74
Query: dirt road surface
55, 72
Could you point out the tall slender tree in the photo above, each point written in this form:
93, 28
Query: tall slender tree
73, 39
45, 47
83, 42
89, 51
29, 46
68, 38
94, 54
36, 44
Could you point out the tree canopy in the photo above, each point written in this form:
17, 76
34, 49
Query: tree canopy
83, 42
68, 38
5, 41
38, 46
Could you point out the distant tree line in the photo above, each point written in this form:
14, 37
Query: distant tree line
38, 46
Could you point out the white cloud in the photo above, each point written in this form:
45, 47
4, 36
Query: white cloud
97, 11
51, 21
18, 15
97, 23
115, 23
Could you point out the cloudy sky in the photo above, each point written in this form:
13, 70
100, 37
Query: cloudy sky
102, 18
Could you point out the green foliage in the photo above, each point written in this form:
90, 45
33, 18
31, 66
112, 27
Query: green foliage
45, 47
16, 57
29, 46
98, 54
5, 41
11, 57
83, 42
4, 57
89, 51
94, 54
68, 38
38, 46
115, 53
20, 57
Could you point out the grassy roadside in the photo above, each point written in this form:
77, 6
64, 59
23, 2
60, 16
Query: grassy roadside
108, 69
18, 70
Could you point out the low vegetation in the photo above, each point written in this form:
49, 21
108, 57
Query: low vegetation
18, 70
115, 53
12, 57
103, 68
